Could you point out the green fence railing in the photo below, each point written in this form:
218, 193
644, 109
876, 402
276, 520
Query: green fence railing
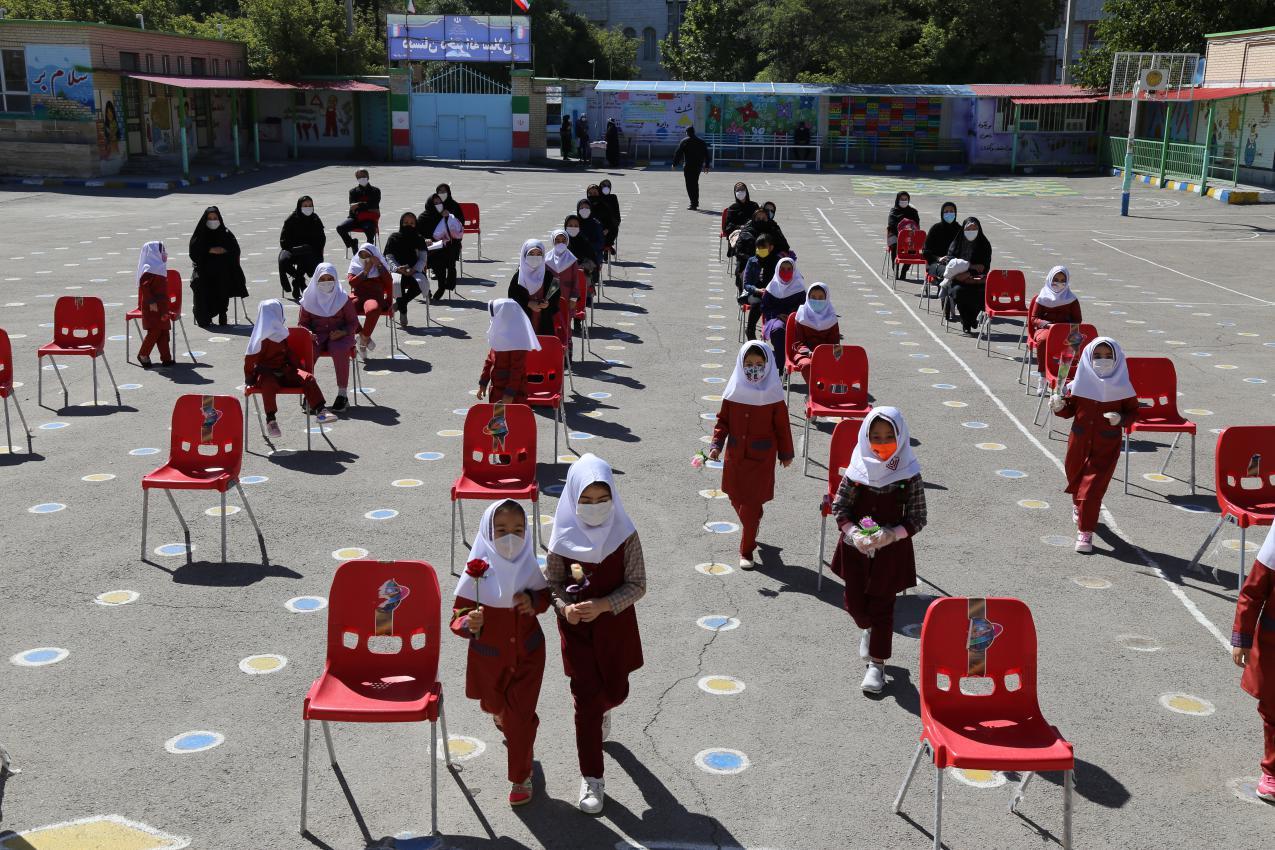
1179, 160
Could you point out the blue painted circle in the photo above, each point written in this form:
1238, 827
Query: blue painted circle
145, 451
721, 527
919, 356
115, 337
429, 455
253, 479
708, 416
723, 761
367, 390
615, 362
1201, 354
975, 425
715, 380
944, 386
1011, 473
716, 327
52, 426
40, 656
196, 353
553, 489
599, 395
47, 508
307, 603
381, 513
171, 549
194, 741
130, 386
713, 464
1254, 380
715, 622
580, 435
460, 411
541, 560
714, 351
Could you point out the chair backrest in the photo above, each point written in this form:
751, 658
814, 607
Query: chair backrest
6, 363
1244, 466
472, 218
544, 367
369, 215
844, 438
301, 344
1004, 290
384, 619
79, 320
790, 344
965, 642
1056, 344
500, 450
174, 291
725, 213
1155, 380
839, 381
911, 241
207, 433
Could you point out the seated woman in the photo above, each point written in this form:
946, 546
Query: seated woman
758, 271
942, 234
591, 229
901, 211
443, 231
406, 255
739, 213
772, 229
816, 325
966, 287
1054, 304
537, 297
370, 285
328, 312
587, 255
269, 365
300, 247
612, 204
509, 337
601, 210
782, 296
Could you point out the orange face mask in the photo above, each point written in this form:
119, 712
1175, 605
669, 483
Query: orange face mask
884, 451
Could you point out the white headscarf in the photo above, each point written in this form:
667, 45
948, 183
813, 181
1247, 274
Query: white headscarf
356, 263
813, 320
151, 260
559, 258
1087, 384
866, 468
271, 324
504, 578
740, 389
316, 302
1267, 553
573, 539
530, 279
778, 289
1049, 298
510, 329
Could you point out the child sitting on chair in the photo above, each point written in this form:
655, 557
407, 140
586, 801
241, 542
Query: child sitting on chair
510, 336
269, 365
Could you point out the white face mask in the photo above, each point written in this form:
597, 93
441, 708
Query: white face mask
606, 190
444, 195
1058, 285
438, 208
326, 285
534, 261
903, 204
307, 210
1104, 368
584, 212
573, 231
370, 267
739, 196
363, 181
594, 515
971, 234
213, 223
508, 545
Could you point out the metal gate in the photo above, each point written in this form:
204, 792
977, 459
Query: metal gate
460, 114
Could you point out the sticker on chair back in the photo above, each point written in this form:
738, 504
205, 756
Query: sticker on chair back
838, 389
1255, 465
982, 633
208, 406
79, 301
391, 595
498, 429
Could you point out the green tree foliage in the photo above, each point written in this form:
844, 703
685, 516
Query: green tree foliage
716, 42
1174, 26
618, 54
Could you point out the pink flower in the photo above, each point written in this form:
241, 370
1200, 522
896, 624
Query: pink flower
699, 459
868, 527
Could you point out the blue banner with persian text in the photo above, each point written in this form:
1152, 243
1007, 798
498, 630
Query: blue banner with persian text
459, 38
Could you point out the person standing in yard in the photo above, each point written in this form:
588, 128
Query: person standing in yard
694, 157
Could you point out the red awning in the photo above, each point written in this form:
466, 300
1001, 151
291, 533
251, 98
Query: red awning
1029, 90
1050, 101
1199, 94
235, 83
339, 85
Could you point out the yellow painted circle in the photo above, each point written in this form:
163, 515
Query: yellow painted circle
231, 510
1033, 504
1234, 545
546, 520
1092, 582
1225, 366
407, 482
711, 397
710, 365
593, 414
461, 747
721, 685
928, 371
715, 569
1247, 333
713, 494
1187, 704
990, 447
117, 597
567, 458
445, 319
909, 344
1198, 411
349, 553
450, 432
955, 404
255, 665
978, 778
714, 338
1156, 477
97, 477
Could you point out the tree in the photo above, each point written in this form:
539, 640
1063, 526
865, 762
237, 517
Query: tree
619, 53
716, 42
1174, 26
985, 41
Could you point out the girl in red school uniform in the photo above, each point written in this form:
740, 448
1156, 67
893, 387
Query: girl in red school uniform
1100, 401
752, 429
1055, 304
328, 312
1253, 648
152, 300
563, 265
268, 364
368, 275
510, 336
816, 325
880, 507
497, 601
596, 573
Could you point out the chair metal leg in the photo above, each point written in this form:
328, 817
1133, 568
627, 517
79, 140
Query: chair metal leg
308, 435
535, 514
460, 510
1068, 781
39, 381
128, 340
66, 396
1207, 541
433, 781
305, 772
94, 359
938, 807
453, 548
787, 389
181, 519
223, 526
447, 747
8, 436
27, 428
1020, 791
146, 507
805, 447
261, 540
907, 780
179, 323
119, 402
1243, 555
1192, 462
1126, 461
823, 527
1039, 405
1176, 437
557, 420
327, 736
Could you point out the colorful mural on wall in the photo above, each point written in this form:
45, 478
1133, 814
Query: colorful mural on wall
322, 118
759, 115
647, 114
110, 123
60, 80
916, 117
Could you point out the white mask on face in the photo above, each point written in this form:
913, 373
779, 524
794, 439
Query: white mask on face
573, 232
508, 545
1104, 368
971, 234
534, 261
594, 515
444, 195
1058, 285
903, 204
307, 210
438, 208
739, 196
606, 190
326, 285
584, 212
213, 223
363, 181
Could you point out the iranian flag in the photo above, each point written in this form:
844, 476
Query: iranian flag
525, 5
411, 7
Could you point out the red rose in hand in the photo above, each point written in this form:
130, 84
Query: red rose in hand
477, 567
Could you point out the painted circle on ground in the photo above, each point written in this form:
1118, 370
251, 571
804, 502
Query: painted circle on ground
717, 623
714, 351
143, 452
98, 477
407, 482
172, 550
53, 426
1246, 789
553, 489
715, 338
215, 511
713, 569
461, 747
1225, 366
975, 425
580, 435
599, 396
721, 761
259, 665
713, 494
721, 527
1157, 477
428, 455
721, 685
709, 416
990, 447
567, 458
1187, 704
1234, 545
711, 398
928, 370
460, 411
1139, 643
112, 598
450, 432
955, 404
193, 742
1012, 474
912, 630
46, 508
1193, 509
349, 553
977, 778
305, 604
129, 386
943, 386
1254, 380
1056, 540
253, 479
1091, 582
714, 380
381, 513
41, 656
1198, 411
1033, 504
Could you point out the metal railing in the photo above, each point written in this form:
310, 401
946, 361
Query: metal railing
779, 149
1179, 160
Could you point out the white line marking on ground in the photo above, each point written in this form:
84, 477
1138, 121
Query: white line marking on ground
636, 187
1184, 274
1176, 589
1002, 221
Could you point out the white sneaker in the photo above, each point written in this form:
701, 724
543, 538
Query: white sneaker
873, 679
863, 644
1084, 541
592, 795
745, 563
361, 346
369, 343
606, 726
272, 429
325, 415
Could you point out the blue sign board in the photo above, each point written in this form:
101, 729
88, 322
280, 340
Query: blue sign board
459, 38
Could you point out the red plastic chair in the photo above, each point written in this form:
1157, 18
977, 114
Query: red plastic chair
1056, 346
844, 438
381, 666
373, 216
908, 251
174, 315
838, 388
387, 316
544, 379
1156, 382
205, 453
471, 217
1004, 297
6, 390
301, 344
721, 234
79, 330
790, 366
984, 641
1244, 472
496, 467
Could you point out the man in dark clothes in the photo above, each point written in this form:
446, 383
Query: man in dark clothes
801, 136
695, 157
364, 198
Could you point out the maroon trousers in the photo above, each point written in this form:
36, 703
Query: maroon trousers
750, 520
270, 384
594, 696
872, 612
156, 334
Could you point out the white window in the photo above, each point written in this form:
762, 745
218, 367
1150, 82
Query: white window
13, 82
